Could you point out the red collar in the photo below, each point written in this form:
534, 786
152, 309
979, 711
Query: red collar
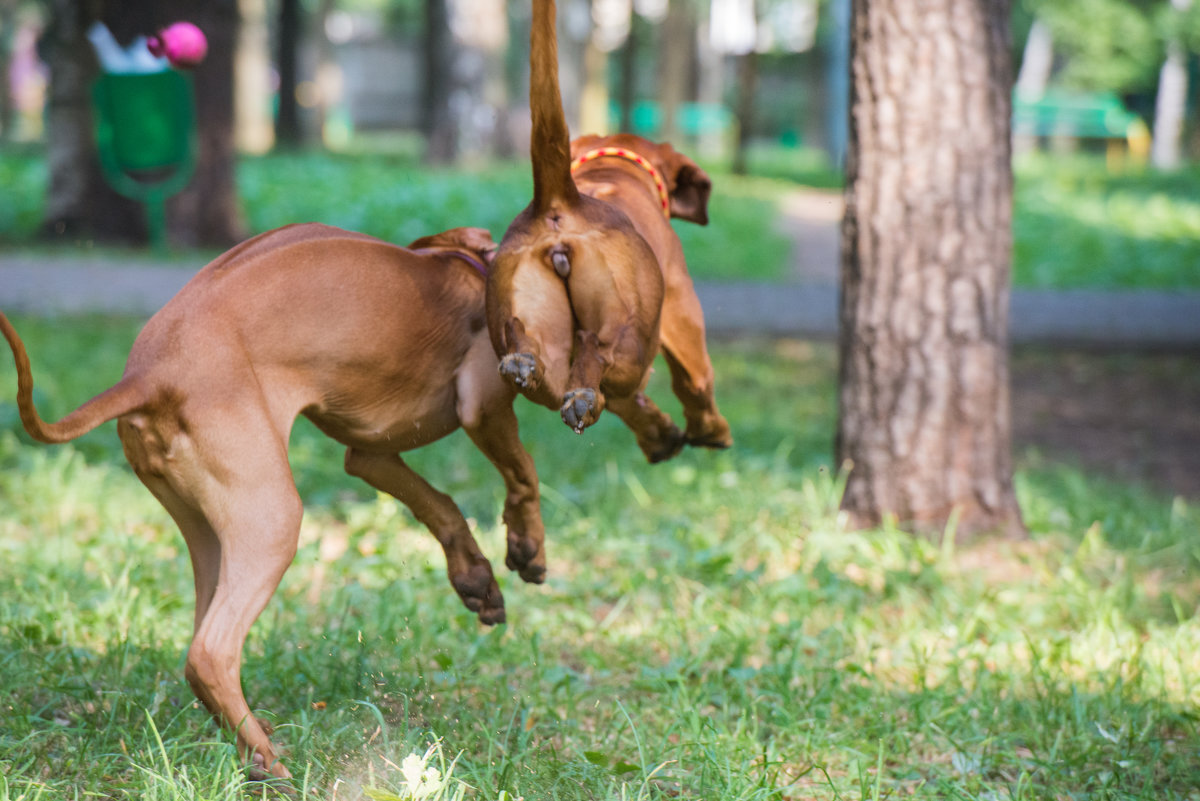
620, 152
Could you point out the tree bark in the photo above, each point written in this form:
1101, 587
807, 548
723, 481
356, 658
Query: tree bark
924, 421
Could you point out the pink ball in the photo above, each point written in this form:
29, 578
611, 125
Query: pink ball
182, 43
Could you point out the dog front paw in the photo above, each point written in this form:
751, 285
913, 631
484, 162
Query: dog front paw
581, 407
523, 369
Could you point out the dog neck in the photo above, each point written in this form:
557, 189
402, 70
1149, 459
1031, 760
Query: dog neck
465, 255
664, 197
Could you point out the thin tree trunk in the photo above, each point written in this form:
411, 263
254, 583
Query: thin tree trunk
1037, 62
678, 52
287, 118
254, 126
628, 85
747, 88
327, 77
1170, 106
437, 121
924, 420
8, 13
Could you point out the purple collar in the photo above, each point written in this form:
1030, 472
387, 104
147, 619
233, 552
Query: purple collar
461, 254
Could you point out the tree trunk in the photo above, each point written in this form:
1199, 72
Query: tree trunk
79, 204
627, 86
254, 126
747, 89
437, 121
8, 18
1170, 106
287, 116
676, 66
924, 421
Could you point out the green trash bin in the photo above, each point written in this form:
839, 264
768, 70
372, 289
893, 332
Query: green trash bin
146, 136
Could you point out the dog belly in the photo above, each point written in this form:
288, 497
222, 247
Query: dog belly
387, 433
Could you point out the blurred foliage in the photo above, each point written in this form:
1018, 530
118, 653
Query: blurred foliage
23, 178
1076, 225
400, 200
1119, 49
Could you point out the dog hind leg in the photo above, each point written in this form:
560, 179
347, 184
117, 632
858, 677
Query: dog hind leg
258, 538
657, 435
469, 570
236, 505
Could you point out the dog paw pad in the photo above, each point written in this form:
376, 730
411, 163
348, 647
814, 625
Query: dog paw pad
521, 369
580, 408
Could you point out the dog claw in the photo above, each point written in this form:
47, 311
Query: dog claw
522, 369
580, 408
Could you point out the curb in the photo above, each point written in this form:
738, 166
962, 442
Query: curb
1141, 319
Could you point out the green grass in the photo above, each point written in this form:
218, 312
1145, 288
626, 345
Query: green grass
1076, 225
708, 629
1079, 226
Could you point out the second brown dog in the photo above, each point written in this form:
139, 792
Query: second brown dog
590, 278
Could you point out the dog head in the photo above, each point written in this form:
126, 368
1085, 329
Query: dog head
688, 186
476, 241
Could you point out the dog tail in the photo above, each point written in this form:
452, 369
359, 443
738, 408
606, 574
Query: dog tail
550, 143
123, 397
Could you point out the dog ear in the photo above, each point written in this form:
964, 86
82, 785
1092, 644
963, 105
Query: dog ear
690, 188
475, 239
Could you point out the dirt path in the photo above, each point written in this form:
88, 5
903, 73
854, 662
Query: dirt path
1130, 416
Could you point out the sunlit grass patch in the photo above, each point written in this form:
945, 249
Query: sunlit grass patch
1077, 225
708, 628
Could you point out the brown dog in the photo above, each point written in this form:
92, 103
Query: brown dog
587, 283
384, 349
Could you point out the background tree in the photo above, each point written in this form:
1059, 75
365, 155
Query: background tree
923, 391
288, 133
436, 119
8, 19
206, 213
1170, 107
79, 204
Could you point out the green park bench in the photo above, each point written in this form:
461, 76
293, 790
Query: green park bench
1059, 114
146, 136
